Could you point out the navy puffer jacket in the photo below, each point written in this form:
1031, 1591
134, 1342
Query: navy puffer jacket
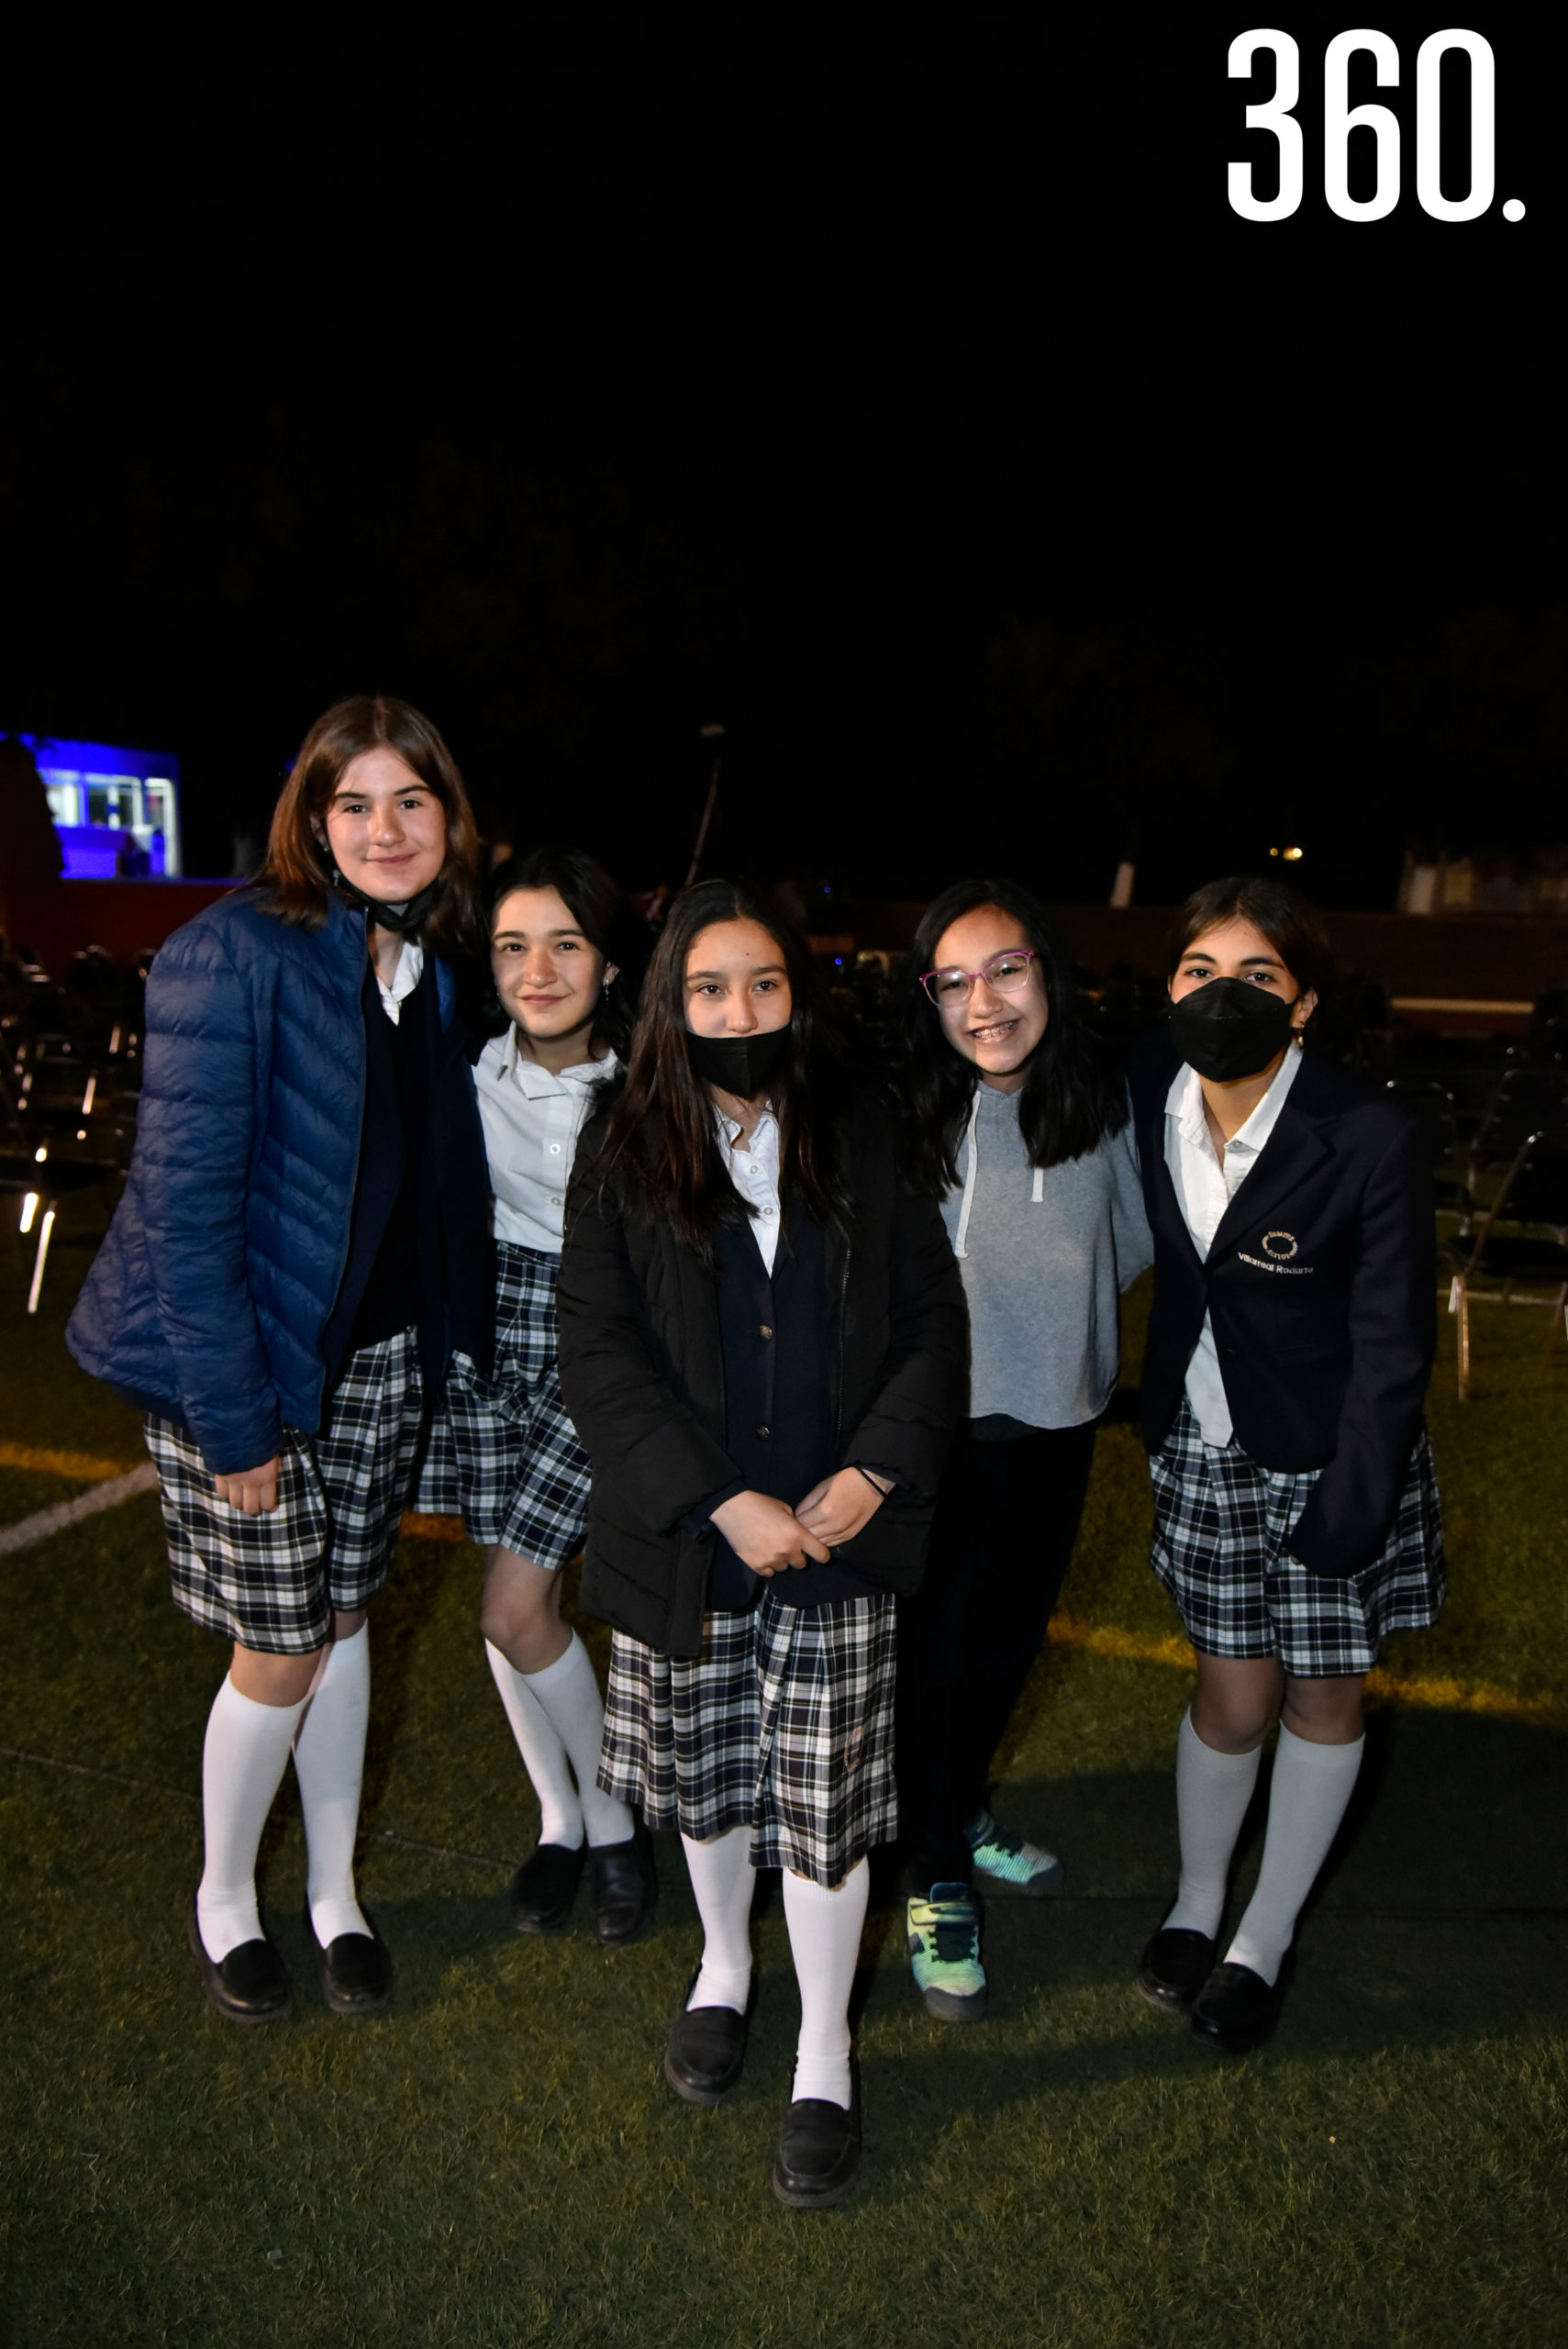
208, 1298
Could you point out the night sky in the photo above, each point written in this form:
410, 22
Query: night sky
892, 385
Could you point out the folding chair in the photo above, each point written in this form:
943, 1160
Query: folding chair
1433, 1104
1534, 1192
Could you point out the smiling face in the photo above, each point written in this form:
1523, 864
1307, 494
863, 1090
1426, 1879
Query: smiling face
735, 984
996, 1029
1238, 949
386, 829
548, 974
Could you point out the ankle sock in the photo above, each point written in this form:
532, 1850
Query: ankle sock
243, 1759
825, 1942
724, 1882
567, 1692
1312, 1784
1212, 1794
329, 1761
544, 1756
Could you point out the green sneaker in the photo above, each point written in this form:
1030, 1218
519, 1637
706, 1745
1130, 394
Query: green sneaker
943, 1940
1008, 1860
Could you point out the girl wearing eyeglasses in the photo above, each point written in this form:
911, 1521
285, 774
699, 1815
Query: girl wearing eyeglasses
761, 1347
1296, 1519
1015, 1121
564, 954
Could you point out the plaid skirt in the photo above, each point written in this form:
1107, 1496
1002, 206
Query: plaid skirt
503, 1454
271, 1582
1221, 1523
784, 1724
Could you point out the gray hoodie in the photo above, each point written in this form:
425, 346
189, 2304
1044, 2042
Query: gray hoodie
1044, 1252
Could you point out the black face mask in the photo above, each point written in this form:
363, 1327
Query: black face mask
1230, 1028
404, 916
740, 1065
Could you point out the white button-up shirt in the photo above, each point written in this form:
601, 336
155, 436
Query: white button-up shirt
405, 979
755, 1171
531, 1121
1204, 1188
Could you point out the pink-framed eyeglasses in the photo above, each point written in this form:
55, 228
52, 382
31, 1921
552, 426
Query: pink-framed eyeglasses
1007, 974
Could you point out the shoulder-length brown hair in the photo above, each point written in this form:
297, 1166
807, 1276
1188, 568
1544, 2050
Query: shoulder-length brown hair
297, 871
661, 1141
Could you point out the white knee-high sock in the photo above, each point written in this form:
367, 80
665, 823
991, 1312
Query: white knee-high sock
243, 1761
824, 1942
724, 1881
1212, 1794
568, 1695
330, 1762
544, 1756
1312, 1783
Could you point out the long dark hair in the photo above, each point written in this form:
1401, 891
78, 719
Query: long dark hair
600, 912
1072, 1098
296, 873
1282, 913
660, 1142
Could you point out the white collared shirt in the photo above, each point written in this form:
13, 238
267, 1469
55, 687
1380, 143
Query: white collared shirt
405, 979
531, 1121
754, 1170
1204, 1188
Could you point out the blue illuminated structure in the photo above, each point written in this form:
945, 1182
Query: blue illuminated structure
116, 811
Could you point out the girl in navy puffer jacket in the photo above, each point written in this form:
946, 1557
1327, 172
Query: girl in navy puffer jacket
303, 1239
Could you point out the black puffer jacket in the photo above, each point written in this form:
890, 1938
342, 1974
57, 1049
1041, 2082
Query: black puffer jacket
642, 1372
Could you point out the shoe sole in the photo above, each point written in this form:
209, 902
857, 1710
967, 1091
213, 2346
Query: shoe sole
688, 2091
947, 2006
221, 2006
1039, 1887
1165, 2001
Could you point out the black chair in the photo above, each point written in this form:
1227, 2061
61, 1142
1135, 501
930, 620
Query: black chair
1531, 1100
1433, 1104
1534, 1192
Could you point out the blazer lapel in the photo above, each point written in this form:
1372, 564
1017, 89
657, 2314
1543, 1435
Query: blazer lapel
1295, 1146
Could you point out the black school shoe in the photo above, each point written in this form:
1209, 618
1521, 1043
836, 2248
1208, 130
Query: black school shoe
819, 2156
706, 2052
1174, 1967
251, 1984
539, 1897
1236, 2010
354, 1970
624, 1889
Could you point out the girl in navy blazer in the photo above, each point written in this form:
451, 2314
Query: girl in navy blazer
1291, 1338
304, 1234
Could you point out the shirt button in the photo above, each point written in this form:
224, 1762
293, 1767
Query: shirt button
766, 1435
767, 1211
555, 1203
555, 1149
763, 1330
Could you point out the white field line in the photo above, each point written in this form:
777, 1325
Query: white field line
45, 1521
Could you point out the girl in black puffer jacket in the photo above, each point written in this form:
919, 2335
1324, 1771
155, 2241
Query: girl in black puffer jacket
763, 1350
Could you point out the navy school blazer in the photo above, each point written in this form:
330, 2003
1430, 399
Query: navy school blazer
1321, 1286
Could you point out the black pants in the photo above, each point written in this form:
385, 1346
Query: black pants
1007, 1519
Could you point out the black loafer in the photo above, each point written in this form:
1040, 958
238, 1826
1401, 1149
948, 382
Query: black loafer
1236, 2010
706, 2053
354, 1970
819, 2156
1174, 1967
251, 1984
541, 1893
624, 1889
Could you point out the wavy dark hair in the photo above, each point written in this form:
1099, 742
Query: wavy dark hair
660, 1143
1071, 1099
594, 903
296, 873
1285, 917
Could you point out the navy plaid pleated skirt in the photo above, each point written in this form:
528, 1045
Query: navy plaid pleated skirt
1221, 1526
784, 1725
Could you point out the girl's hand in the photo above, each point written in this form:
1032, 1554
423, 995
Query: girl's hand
252, 1489
842, 1506
765, 1534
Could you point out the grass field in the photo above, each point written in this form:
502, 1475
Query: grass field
498, 2160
